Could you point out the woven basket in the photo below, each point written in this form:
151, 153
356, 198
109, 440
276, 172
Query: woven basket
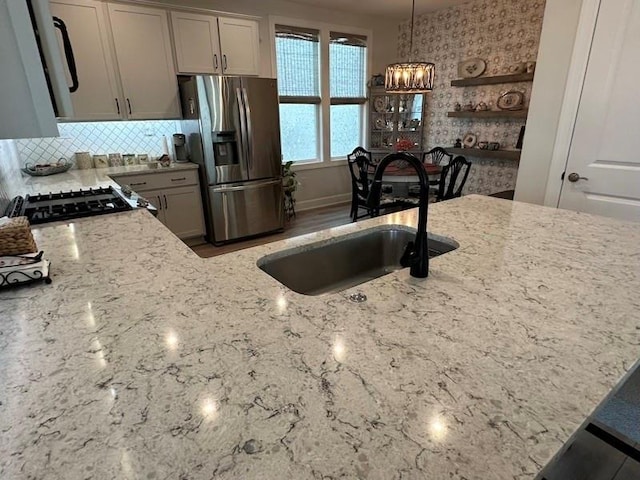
16, 237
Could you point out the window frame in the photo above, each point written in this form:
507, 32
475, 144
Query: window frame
324, 133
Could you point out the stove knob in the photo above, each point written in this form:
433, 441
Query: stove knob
126, 191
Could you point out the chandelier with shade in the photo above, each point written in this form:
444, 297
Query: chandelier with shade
411, 76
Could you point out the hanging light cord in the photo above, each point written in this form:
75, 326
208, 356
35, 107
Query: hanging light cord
413, 9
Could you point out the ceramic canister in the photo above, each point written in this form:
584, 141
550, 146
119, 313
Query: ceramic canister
101, 161
83, 160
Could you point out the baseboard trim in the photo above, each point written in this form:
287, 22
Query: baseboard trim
303, 205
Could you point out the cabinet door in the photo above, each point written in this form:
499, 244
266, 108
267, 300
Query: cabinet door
195, 38
155, 197
182, 208
239, 45
143, 53
25, 109
97, 96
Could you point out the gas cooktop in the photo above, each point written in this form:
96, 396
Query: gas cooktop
52, 207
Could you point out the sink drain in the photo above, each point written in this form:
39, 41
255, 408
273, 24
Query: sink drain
358, 297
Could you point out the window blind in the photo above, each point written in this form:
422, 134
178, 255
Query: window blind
347, 68
298, 59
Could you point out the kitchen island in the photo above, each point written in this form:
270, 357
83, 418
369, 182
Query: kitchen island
142, 360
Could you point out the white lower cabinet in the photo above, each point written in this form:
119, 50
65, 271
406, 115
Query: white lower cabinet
176, 196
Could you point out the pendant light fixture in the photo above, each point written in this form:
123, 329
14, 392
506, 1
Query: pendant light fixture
409, 77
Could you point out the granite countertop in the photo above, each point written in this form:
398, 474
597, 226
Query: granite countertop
90, 178
142, 360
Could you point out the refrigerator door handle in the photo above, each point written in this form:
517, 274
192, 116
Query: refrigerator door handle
249, 136
243, 126
249, 186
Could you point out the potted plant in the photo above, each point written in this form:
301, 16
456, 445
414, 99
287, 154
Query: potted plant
289, 186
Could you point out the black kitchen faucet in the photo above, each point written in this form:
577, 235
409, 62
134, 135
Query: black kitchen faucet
416, 254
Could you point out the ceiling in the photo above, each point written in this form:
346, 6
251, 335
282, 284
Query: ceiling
397, 9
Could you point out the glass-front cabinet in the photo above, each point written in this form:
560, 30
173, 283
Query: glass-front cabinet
395, 122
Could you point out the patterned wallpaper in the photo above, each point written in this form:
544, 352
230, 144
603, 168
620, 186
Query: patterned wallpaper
502, 33
99, 138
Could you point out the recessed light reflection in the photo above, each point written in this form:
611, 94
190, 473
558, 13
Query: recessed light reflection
75, 252
171, 340
438, 428
339, 350
90, 318
281, 303
209, 409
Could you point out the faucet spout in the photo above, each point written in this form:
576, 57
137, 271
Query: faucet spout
416, 255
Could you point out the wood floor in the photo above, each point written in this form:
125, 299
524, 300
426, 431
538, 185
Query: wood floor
304, 222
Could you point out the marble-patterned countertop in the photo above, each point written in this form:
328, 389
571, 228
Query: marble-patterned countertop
90, 178
142, 360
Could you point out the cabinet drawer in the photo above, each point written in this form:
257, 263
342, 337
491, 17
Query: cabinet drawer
151, 181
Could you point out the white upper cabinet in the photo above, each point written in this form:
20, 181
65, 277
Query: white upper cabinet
195, 38
215, 45
143, 52
239, 45
26, 107
97, 96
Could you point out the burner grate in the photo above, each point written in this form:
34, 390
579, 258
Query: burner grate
51, 207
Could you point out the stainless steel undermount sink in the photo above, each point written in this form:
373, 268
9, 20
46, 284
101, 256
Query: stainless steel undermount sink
343, 262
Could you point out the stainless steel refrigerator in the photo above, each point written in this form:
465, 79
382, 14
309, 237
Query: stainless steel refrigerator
233, 132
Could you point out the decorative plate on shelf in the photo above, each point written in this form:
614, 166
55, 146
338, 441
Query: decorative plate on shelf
511, 100
469, 140
380, 104
380, 124
472, 68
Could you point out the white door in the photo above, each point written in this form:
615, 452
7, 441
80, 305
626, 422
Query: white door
603, 170
97, 95
239, 45
143, 53
195, 38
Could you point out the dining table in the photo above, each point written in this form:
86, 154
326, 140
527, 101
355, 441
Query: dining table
401, 177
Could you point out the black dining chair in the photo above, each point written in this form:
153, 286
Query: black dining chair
451, 184
437, 156
360, 152
360, 166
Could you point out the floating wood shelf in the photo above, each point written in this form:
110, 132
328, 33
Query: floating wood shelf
476, 152
512, 78
491, 114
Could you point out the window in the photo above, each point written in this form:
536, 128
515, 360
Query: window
298, 64
322, 88
347, 67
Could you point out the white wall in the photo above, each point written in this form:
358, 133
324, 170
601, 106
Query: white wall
554, 55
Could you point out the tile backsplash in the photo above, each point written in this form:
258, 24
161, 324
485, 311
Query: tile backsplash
99, 138
9, 172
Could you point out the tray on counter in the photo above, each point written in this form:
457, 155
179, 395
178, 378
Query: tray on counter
42, 170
